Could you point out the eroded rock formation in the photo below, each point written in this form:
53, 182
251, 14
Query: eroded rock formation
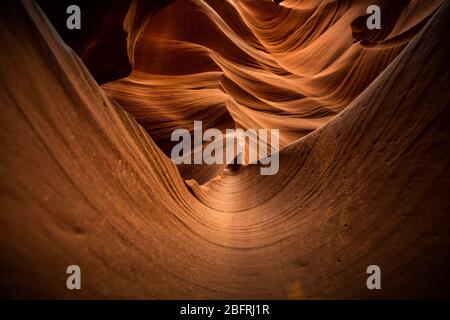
84, 183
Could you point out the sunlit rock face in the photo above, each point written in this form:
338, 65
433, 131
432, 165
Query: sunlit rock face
86, 178
256, 64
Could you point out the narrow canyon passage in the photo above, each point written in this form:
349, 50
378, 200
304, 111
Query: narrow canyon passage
85, 181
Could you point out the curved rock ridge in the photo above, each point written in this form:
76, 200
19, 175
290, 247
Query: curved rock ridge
256, 64
84, 183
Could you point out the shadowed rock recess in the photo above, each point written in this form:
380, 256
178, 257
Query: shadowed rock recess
364, 177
